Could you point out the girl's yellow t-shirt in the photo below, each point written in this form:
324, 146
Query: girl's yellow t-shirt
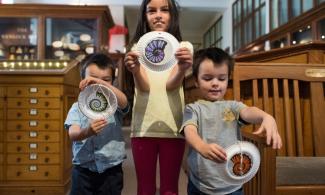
157, 113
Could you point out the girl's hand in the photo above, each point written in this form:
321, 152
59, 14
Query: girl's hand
213, 152
90, 80
97, 126
185, 58
269, 126
131, 62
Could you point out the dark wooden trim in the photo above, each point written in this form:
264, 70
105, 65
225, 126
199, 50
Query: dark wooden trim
300, 190
42, 37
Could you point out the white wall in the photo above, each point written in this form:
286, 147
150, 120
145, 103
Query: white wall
7, 1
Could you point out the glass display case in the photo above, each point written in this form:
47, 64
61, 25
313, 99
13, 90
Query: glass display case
321, 27
68, 38
303, 35
18, 38
48, 36
279, 43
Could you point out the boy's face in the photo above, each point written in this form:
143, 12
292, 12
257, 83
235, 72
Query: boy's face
158, 15
103, 74
212, 80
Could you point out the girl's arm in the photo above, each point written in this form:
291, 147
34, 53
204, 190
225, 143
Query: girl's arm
185, 60
140, 77
268, 124
212, 151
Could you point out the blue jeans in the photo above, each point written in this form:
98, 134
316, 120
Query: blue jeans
192, 190
86, 182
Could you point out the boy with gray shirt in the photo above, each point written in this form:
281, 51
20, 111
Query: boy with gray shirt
212, 124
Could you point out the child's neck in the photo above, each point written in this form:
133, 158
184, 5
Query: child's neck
209, 100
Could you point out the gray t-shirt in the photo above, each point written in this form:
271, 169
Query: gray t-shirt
217, 122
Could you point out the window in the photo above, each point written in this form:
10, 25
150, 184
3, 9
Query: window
236, 11
249, 17
260, 17
283, 10
213, 37
279, 13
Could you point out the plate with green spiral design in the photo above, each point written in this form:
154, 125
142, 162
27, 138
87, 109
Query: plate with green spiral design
97, 101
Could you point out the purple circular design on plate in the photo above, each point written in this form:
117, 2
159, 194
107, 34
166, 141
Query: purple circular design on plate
155, 50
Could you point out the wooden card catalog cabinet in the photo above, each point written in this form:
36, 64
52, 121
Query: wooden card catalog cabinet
38, 83
2, 113
35, 150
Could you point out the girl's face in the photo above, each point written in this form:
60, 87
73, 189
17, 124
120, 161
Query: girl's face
158, 15
212, 80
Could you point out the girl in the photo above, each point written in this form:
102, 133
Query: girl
158, 104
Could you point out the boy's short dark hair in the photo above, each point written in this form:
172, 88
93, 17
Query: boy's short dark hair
216, 55
101, 60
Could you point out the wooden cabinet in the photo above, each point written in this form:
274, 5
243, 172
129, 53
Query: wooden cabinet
35, 150
2, 113
39, 49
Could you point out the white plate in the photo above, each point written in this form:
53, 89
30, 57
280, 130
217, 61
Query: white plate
85, 37
89, 50
57, 44
59, 53
243, 162
97, 101
157, 50
73, 46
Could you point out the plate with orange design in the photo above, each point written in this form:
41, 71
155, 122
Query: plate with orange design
243, 162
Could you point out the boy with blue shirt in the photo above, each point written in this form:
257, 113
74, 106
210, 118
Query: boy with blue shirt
98, 145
